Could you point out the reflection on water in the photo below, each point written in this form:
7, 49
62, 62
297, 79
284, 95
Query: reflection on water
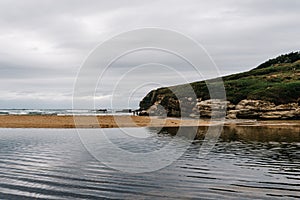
266, 133
52, 164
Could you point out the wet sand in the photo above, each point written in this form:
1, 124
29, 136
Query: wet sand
108, 121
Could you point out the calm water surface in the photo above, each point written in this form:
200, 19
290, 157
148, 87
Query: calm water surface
53, 164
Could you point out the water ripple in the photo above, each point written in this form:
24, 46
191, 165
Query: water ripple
52, 164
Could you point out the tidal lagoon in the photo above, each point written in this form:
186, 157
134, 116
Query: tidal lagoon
54, 164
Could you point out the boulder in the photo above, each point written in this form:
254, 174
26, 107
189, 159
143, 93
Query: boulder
212, 108
255, 105
231, 114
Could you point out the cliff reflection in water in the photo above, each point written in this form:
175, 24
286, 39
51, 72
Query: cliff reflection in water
275, 131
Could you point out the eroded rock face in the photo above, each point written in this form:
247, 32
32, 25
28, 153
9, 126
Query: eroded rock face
258, 109
211, 108
245, 109
255, 105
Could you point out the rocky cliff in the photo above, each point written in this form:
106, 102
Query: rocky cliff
269, 91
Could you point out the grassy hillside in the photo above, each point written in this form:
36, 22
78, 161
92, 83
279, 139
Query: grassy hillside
277, 81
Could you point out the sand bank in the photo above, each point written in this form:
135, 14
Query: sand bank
53, 121
108, 121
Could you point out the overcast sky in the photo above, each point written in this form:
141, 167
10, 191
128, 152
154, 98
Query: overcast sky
44, 43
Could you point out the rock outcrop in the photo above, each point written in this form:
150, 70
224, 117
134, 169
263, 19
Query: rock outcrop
215, 108
258, 109
211, 108
269, 91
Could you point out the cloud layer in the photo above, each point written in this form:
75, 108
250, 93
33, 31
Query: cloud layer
43, 43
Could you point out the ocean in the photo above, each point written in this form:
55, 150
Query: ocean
63, 112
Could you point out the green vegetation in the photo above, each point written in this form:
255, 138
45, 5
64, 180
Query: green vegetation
277, 81
287, 58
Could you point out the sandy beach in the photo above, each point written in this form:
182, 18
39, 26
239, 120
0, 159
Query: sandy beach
109, 121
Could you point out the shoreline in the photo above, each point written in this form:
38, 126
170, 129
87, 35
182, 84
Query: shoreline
113, 121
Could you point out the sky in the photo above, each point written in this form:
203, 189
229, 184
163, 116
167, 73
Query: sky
43, 44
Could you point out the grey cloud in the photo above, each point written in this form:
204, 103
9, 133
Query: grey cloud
43, 43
